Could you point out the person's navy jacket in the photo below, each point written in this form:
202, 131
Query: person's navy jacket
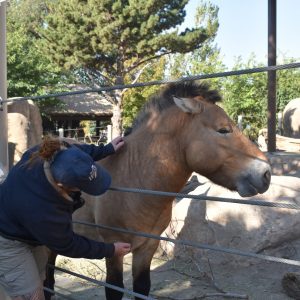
32, 210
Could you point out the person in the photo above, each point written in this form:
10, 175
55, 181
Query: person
37, 200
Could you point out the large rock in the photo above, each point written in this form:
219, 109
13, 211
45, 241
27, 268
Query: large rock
245, 227
291, 119
18, 132
24, 128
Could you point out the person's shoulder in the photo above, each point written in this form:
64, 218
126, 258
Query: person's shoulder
27, 155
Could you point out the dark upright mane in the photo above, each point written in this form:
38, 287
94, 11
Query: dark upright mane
164, 99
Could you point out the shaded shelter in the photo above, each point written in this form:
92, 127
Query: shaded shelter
76, 108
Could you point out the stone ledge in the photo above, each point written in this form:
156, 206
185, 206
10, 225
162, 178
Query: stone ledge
285, 163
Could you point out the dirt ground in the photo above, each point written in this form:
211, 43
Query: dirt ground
190, 278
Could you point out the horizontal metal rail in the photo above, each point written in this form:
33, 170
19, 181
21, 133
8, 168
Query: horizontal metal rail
209, 198
193, 244
157, 82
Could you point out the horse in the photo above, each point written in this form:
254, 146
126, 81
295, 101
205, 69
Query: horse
180, 130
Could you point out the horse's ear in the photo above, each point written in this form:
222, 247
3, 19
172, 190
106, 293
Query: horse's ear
189, 105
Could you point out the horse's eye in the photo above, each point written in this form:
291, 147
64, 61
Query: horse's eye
223, 130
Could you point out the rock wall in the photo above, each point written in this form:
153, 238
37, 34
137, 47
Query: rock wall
24, 128
285, 163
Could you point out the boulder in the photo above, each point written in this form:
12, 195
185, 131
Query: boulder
18, 132
24, 128
291, 119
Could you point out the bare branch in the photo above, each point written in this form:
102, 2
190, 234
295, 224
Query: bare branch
140, 72
146, 60
98, 74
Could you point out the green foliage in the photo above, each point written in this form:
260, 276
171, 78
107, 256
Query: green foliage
27, 68
288, 85
200, 61
135, 98
29, 71
246, 95
206, 59
115, 37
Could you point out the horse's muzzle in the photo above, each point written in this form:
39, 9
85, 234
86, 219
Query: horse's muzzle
255, 180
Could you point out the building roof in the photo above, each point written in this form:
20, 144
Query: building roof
88, 104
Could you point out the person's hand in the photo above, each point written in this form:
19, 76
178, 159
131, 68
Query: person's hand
122, 249
117, 143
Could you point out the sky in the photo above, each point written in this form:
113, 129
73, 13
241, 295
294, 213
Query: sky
243, 28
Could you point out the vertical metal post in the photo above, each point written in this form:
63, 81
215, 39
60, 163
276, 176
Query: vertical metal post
109, 133
61, 132
3, 90
271, 76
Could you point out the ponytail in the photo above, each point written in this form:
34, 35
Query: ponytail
49, 147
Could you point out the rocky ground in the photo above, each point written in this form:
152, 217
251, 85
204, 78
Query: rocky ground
187, 279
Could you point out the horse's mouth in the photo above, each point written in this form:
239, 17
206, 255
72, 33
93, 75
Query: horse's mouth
247, 190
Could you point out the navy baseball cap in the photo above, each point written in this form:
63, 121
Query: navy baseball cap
76, 169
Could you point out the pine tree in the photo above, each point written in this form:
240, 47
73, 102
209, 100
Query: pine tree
114, 38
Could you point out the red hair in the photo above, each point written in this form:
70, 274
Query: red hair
48, 148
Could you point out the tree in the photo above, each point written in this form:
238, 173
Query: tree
288, 84
135, 98
205, 60
246, 95
200, 61
29, 71
112, 39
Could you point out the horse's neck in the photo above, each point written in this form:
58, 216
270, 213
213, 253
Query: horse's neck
158, 160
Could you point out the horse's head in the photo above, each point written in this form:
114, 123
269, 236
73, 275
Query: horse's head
215, 147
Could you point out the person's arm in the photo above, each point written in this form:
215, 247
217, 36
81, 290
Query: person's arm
97, 152
79, 246
101, 151
73, 245
52, 227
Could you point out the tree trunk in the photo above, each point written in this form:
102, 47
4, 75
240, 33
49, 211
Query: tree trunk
116, 119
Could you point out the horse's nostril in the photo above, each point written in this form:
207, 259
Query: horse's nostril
267, 176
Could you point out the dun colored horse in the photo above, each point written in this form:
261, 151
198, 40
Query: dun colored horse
179, 131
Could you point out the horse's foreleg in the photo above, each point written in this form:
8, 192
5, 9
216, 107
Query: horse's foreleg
50, 281
141, 261
114, 269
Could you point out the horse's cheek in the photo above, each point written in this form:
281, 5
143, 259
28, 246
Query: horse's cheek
201, 156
